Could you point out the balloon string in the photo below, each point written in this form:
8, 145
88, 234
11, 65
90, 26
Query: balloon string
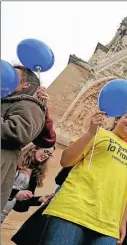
38, 68
93, 149
38, 72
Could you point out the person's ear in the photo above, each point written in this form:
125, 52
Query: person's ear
26, 85
116, 120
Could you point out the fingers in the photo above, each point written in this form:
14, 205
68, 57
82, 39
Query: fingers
48, 196
45, 198
99, 113
41, 88
24, 195
42, 94
28, 194
98, 118
122, 236
44, 97
119, 242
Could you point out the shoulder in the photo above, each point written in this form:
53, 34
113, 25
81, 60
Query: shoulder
25, 102
26, 109
26, 105
102, 135
103, 132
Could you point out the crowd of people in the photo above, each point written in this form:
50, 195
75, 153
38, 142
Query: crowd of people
90, 204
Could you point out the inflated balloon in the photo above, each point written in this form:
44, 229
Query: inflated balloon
9, 79
113, 98
33, 53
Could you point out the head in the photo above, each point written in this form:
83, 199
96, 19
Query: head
28, 81
39, 155
120, 127
36, 159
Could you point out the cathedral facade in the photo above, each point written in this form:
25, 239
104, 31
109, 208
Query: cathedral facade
74, 93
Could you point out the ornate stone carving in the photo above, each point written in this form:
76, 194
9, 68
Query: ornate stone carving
77, 120
80, 81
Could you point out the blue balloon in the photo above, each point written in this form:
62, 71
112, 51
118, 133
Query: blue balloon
33, 53
9, 79
113, 98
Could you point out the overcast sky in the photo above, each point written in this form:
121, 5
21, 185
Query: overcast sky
67, 27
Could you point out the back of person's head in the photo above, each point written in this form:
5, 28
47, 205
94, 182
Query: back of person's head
27, 76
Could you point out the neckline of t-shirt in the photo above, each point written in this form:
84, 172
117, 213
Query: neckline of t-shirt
116, 136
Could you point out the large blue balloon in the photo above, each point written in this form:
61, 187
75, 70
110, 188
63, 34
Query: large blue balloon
113, 98
33, 53
9, 79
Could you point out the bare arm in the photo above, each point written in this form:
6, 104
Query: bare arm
74, 153
123, 228
124, 220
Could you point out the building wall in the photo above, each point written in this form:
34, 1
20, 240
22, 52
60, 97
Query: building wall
65, 88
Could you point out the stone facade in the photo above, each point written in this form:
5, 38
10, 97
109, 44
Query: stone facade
65, 88
73, 95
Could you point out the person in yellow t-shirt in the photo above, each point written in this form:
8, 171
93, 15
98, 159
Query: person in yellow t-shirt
90, 208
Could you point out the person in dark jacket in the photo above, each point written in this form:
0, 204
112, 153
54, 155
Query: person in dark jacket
30, 174
22, 120
29, 233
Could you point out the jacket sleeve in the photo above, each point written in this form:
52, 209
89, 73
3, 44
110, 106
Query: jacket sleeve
47, 137
62, 175
23, 206
22, 124
13, 194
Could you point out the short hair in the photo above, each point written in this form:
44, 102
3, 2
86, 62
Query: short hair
30, 77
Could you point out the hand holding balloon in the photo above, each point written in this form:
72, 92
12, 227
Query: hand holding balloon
96, 121
42, 94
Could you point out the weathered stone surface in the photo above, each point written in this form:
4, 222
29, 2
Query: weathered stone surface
74, 93
65, 88
76, 121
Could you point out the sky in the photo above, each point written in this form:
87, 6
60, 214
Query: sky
66, 27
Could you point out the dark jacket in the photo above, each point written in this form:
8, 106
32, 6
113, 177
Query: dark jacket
23, 206
62, 175
22, 120
29, 233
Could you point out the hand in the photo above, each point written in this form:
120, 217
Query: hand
96, 121
45, 198
122, 234
42, 94
24, 195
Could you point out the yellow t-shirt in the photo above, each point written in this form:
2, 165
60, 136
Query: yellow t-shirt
96, 199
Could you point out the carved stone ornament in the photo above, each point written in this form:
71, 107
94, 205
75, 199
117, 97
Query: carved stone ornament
77, 120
